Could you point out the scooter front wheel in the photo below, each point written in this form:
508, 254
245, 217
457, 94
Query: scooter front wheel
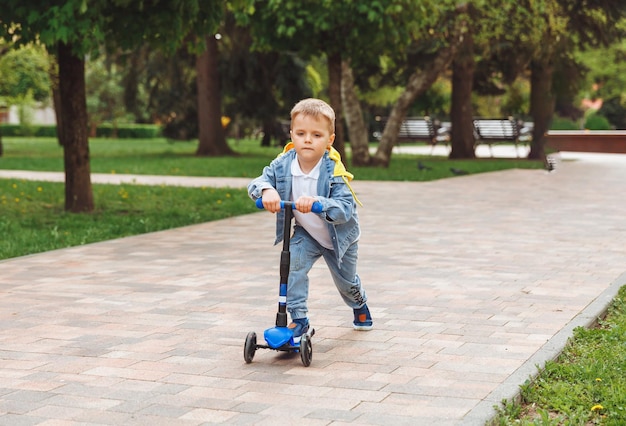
306, 350
250, 347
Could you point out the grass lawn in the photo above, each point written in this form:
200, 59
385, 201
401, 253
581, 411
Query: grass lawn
160, 157
585, 385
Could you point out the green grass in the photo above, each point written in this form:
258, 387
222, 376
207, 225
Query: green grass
160, 157
33, 219
585, 385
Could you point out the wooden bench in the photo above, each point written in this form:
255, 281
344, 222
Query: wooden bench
421, 129
493, 130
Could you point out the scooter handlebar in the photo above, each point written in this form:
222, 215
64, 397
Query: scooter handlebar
316, 208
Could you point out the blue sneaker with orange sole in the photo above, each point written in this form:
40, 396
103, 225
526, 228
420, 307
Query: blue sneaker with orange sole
363, 319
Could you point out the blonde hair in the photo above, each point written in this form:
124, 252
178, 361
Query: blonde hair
315, 108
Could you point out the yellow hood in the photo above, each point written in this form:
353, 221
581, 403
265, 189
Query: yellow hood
340, 169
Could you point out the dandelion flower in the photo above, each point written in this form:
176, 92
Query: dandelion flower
598, 379
39, 189
597, 407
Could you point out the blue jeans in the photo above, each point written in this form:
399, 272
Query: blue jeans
305, 251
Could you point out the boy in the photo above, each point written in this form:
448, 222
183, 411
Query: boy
309, 170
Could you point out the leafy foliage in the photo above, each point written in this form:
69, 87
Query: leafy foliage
115, 23
25, 71
104, 92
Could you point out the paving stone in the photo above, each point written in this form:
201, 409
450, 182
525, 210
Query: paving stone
473, 282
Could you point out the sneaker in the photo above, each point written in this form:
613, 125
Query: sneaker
362, 319
299, 327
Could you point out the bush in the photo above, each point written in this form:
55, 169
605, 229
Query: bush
124, 131
561, 123
129, 131
615, 112
46, 131
9, 130
597, 122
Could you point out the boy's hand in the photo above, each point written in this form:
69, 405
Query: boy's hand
305, 203
271, 200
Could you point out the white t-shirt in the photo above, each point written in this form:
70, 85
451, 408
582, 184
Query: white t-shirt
306, 185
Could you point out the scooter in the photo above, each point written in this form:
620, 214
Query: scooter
280, 337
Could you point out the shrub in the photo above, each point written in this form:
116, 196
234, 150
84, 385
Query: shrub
561, 123
46, 131
615, 111
10, 130
124, 131
597, 122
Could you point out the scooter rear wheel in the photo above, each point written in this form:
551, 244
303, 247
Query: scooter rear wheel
250, 347
306, 350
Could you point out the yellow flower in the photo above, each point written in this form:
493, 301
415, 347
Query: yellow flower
39, 189
597, 407
123, 193
598, 379
17, 200
14, 185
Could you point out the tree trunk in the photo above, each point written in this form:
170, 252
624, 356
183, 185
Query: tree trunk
78, 190
131, 83
56, 96
211, 138
269, 130
357, 129
461, 113
418, 83
542, 103
334, 95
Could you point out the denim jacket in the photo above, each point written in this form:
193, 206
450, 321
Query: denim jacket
334, 193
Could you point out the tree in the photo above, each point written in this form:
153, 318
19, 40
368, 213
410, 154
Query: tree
23, 73
357, 129
346, 32
210, 132
461, 114
23, 77
312, 27
74, 28
104, 91
490, 56
435, 52
282, 24
4, 48
561, 26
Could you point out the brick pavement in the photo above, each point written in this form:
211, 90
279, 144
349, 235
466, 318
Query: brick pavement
473, 281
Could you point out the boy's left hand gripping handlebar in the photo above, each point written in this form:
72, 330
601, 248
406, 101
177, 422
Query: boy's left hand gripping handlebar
315, 208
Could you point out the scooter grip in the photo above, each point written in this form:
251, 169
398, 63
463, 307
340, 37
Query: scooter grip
315, 208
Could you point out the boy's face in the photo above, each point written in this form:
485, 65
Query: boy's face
311, 137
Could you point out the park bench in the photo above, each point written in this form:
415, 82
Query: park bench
494, 130
420, 129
